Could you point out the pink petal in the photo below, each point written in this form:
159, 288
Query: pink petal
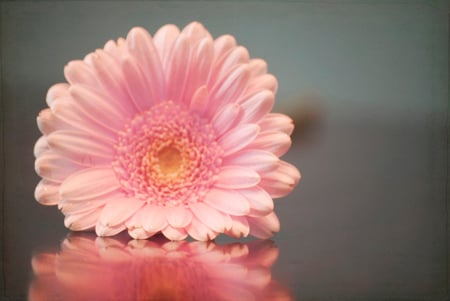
178, 217
56, 91
164, 40
227, 201
228, 61
78, 72
110, 76
72, 116
275, 142
209, 216
52, 166
240, 227
222, 45
230, 87
103, 230
79, 147
177, 67
47, 192
264, 227
154, 218
40, 146
280, 182
174, 233
260, 201
257, 67
285, 172
118, 210
69, 207
257, 106
196, 31
238, 138
82, 221
136, 84
98, 106
140, 233
199, 67
263, 82
199, 101
277, 122
258, 160
199, 231
47, 122
89, 184
141, 46
226, 118
236, 177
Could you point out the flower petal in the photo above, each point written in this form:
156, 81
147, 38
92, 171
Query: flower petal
164, 40
40, 146
257, 67
54, 167
209, 216
258, 160
118, 210
230, 87
178, 217
264, 227
257, 106
275, 142
196, 31
277, 122
199, 68
226, 118
228, 61
136, 84
154, 218
98, 105
111, 78
140, 233
227, 201
177, 67
56, 91
82, 221
240, 227
47, 192
199, 101
78, 72
281, 181
238, 138
260, 201
141, 46
236, 177
174, 233
103, 230
89, 183
199, 231
82, 148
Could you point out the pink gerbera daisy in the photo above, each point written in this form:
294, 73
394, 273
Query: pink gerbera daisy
171, 133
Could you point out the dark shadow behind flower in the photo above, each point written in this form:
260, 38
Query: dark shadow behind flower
106, 269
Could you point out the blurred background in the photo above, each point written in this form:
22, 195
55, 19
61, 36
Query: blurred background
367, 85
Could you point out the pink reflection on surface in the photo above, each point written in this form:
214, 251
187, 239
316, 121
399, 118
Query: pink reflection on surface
91, 268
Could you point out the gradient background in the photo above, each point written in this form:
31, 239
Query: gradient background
367, 85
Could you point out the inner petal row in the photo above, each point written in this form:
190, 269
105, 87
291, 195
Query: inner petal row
167, 156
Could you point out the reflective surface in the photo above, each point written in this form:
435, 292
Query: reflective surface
367, 84
90, 268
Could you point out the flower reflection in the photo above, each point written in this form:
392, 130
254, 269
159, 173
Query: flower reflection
90, 268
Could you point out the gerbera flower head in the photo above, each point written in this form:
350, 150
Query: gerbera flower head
171, 133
